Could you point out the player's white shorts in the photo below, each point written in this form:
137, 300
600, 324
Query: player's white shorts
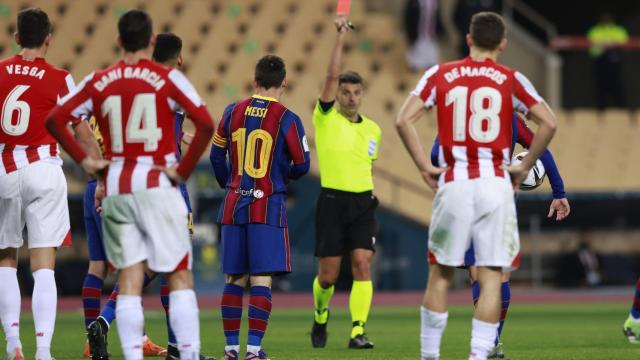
480, 210
147, 225
35, 196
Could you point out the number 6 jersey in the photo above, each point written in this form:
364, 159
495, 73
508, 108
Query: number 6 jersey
134, 105
266, 146
475, 101
29, 89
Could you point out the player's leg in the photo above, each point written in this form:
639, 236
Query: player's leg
10, 301
126, 246
236, 268
631, 326
487, 314
496, 243
47, 220
129, 311
11, 225
259, 312
505, 293
323, 288
360, 297
269, 254
330, 233
360, 240
449, 239
169, 249
434, 312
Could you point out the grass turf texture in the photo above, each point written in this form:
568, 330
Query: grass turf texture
532, 332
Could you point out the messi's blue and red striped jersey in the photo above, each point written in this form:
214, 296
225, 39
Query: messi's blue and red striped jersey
522, 135
258, 147
179, 117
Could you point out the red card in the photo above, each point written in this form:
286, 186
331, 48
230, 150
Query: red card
343, 8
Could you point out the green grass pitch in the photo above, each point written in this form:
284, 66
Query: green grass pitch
562, 332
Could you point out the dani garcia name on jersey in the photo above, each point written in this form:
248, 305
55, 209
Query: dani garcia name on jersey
151, 77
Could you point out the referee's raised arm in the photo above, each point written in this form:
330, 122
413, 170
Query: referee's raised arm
330, 85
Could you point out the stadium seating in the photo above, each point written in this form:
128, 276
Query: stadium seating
224, 38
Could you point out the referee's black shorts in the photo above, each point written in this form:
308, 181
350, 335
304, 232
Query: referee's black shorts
345, 221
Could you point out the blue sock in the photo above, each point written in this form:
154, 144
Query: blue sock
109, 310
231, 309
506, 299
164, 298
475, 291
91, 296
259, 311
635, 308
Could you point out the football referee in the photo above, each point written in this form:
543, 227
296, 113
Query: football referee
347, 143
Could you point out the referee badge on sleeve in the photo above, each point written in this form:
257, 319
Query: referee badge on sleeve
373, 145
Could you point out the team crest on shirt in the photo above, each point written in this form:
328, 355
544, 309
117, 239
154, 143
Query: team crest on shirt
258, 194
373, 145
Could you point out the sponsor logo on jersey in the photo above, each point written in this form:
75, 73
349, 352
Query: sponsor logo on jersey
257, 193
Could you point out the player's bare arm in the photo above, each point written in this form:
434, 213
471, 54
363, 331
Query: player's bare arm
86, 139
412, 110
542, 115
330, 86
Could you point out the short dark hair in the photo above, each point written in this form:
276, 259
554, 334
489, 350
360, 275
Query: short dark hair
135, 28
270, 71
350, 77
168, 47
33, 27
487, 30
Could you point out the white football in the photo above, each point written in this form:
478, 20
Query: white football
536, 174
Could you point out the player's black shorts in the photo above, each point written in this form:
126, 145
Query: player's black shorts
345, 221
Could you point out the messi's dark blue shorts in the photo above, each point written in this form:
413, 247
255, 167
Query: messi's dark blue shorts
255, 249
470, 256
93, 224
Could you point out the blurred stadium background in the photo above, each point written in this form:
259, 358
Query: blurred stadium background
596, 149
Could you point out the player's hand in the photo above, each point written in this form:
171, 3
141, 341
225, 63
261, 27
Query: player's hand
431, 176
94, 167
342, 24
172, 174
99, 195
560, 207
518, 173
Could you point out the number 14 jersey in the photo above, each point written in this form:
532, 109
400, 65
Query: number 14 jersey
475, 102
258, 147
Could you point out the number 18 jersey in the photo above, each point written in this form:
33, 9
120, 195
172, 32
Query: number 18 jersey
475, 102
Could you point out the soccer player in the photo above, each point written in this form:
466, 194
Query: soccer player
97, 322
144, 216
347, 143
559, 207
33, 189
259, 146
475, 185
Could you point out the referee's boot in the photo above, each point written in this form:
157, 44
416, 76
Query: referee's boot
319, 332
360, 341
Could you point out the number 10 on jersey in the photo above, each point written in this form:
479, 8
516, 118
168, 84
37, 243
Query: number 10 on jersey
246, 147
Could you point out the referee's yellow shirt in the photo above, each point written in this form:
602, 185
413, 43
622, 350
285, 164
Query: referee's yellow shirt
346, 150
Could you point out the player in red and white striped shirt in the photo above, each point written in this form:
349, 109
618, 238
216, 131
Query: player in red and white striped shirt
144, 215
33, 189
474, 198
